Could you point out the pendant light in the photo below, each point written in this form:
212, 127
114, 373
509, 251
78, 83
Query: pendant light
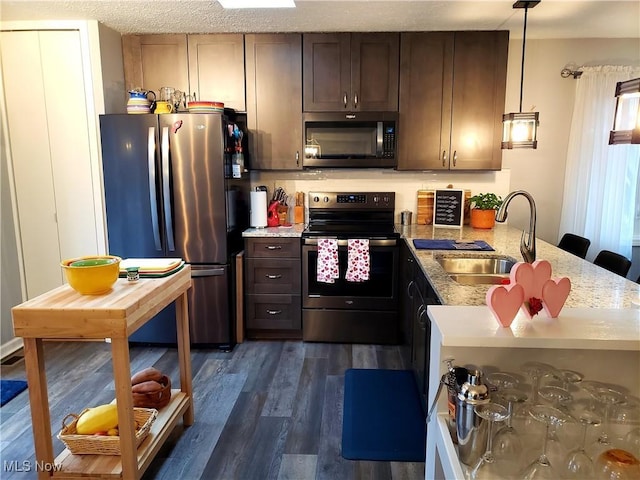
519, 130
626, 122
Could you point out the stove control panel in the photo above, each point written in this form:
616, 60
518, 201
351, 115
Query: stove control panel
352, 201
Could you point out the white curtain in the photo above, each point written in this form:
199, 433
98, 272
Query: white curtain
600, 198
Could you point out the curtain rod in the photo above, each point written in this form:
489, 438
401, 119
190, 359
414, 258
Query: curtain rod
571, 71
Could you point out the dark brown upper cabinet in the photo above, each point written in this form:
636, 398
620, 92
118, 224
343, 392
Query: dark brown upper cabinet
350, 72
452, 91
216, 68
154, 61
274, 100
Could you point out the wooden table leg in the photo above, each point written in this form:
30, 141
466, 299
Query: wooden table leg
124, 399
184, 354
38, 401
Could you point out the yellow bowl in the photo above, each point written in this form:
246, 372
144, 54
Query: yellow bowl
92, 275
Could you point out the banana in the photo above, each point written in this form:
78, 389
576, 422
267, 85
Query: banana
98, 419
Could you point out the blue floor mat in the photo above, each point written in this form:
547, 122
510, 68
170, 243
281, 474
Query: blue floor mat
383, 416
10, 388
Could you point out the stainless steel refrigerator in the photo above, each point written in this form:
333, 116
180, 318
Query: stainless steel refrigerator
170, 192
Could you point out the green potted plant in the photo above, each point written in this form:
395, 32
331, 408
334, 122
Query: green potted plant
483, 209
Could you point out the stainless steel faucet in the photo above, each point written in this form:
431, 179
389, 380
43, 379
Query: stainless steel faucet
528, 246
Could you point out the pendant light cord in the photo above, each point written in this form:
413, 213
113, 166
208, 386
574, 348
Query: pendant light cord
524, 41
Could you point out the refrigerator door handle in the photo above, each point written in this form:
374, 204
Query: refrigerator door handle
166, 193
153, 200
207, 272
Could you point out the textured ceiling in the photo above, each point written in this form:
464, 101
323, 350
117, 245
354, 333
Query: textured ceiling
549, 19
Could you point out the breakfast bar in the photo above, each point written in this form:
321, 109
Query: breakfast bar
62, 313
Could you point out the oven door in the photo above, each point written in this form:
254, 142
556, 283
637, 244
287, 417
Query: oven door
377, 293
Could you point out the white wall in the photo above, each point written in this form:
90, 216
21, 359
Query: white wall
540, 171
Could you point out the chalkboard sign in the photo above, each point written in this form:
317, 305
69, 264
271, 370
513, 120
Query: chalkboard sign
448, 208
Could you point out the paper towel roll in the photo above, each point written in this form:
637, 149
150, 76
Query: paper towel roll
258, 213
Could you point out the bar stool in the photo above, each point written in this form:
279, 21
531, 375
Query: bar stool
574, 244
614, 262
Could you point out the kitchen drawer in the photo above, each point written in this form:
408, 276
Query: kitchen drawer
273, 275
273, 247
281, 312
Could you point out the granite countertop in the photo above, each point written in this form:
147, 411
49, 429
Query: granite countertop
591, 286
292, 231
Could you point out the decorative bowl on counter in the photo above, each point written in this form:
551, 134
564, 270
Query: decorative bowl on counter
92, 275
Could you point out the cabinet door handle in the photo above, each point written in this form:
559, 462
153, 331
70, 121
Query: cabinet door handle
455, 157
355, 100
409, 287
297, 158
273, 247
274, 312
444, 158
345, 99
273, 277
421, 320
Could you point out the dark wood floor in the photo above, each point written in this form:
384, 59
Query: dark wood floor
266, 410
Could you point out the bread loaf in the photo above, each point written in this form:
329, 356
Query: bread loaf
152, 393
146, 375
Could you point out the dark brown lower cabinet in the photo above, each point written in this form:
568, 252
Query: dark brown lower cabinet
272, 288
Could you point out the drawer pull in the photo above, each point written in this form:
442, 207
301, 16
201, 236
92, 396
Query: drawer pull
273, 247
274, 312
273, 277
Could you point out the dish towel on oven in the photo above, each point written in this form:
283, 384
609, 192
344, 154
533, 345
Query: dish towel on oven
358, 261
327, 267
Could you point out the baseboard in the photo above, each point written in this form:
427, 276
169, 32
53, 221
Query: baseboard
10, 347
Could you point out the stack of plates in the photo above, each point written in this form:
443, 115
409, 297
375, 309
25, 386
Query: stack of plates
205, 107
138, 105
152, 267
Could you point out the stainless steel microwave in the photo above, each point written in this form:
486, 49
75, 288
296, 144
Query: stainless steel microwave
350, 140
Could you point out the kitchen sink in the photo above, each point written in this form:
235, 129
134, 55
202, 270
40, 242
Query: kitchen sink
480, 279
477, 270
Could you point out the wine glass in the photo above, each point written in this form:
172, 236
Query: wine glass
535, 371
578, 464
485, 466
568, 377
558, 397
632, 441
502, 380
607, 397
507, 445
541, 467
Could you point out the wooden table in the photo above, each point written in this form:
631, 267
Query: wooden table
63, 313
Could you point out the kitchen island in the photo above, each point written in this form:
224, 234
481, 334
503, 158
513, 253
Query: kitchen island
601, 344
591, 286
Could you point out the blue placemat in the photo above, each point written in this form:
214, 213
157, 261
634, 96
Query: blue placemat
433, 244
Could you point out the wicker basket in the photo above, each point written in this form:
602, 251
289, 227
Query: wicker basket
103, 444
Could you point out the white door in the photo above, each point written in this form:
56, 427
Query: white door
49, 144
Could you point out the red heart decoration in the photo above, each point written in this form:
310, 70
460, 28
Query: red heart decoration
555, 292
504, 302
